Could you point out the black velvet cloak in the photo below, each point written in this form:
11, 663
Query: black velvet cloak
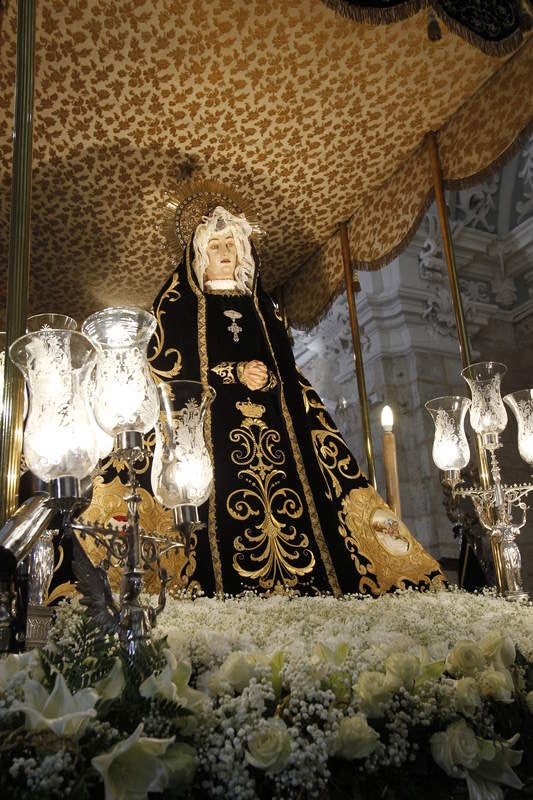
290, 506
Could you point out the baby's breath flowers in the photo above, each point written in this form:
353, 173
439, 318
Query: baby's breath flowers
280, 698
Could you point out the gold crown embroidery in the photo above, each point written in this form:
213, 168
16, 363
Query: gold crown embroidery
249, 409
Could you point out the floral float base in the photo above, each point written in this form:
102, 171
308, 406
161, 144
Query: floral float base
408, 695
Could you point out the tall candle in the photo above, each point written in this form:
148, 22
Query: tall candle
390, 460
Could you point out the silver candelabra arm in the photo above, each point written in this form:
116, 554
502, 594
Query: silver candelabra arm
495, 507
105, 535
135, 551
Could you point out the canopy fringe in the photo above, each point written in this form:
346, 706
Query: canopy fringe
453, 185
487, 172
367, 266
502, 47
376, 16
384, 16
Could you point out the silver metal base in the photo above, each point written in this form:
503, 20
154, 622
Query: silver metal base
517, 596
185, 514
129, 445
490, 441
451, 477
66, 488
37, 625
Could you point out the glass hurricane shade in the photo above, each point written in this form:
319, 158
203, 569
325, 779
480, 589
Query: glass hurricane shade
450, 446
39, 322
487, 412
182, 472
124, 394
521, 404
58, 436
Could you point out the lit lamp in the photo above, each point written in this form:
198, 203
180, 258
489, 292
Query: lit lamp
495, 504
521, 404
451, 452
390, 461
124, 399
488, 416
182, 472
59, 445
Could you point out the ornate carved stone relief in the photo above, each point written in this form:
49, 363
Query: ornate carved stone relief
524, 207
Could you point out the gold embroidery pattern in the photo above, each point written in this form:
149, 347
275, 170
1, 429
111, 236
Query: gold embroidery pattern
225, 370
172, 295
317, 528
330, 448
271, 551
368, 526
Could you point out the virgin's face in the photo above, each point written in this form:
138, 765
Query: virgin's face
221, 257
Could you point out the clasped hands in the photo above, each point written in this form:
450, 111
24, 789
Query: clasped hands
254, 374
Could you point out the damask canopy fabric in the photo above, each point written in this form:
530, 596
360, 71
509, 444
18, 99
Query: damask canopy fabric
310, 116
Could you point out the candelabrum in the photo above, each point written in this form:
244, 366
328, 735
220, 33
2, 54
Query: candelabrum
500, 508
91, 392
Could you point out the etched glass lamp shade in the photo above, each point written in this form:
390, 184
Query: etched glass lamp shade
182, 472
124, 396
488, 416
58, 437
39, 322
451, 452
521, 404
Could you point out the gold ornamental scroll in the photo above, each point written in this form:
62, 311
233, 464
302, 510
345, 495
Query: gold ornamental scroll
359, 371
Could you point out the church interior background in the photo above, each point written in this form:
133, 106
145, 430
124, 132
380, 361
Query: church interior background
410, 347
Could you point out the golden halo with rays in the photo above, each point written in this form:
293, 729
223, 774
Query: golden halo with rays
186, 206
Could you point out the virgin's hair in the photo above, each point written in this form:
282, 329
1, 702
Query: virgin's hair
221, 220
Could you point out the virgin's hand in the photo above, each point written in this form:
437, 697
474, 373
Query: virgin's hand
255, 374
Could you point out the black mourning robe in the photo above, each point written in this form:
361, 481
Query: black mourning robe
290, 508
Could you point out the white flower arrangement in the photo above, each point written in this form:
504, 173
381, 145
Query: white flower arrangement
281, 697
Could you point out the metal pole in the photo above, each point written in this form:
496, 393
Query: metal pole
18, 259
449, 254
359, 371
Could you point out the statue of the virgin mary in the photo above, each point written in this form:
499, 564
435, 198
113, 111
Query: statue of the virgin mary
290, 508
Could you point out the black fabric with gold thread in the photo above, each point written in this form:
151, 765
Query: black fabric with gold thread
290, 506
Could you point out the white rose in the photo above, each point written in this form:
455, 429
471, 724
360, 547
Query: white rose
497, 684
354, 738
455, 749
237, 670
465, 658
269, 746
498, 650
374, 690
402, 668
467, 696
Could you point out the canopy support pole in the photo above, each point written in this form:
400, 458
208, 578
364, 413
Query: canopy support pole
449, 254
359, 371
18, 259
